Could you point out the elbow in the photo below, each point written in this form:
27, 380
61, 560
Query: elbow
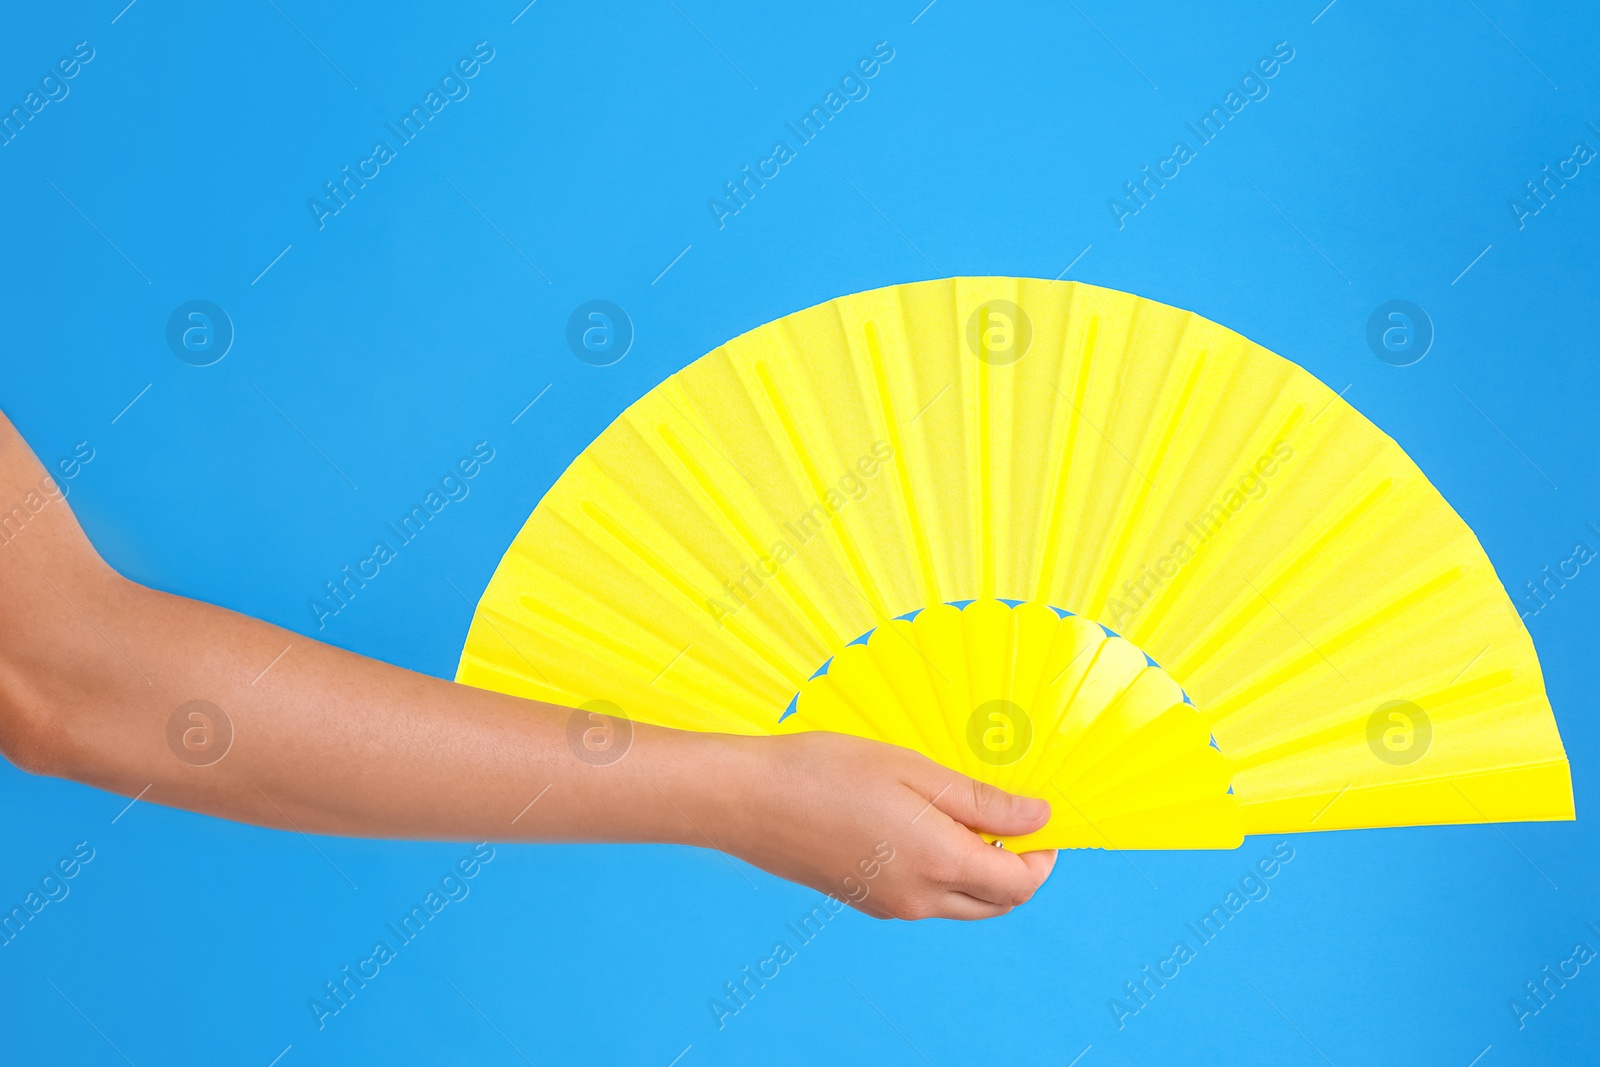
55, 685
30, 747
34, 760
31, 738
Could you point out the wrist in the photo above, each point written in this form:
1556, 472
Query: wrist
713, 788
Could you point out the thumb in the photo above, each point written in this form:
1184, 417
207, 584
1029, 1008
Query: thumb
982, 807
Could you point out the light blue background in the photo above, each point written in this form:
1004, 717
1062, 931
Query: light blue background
1383, 161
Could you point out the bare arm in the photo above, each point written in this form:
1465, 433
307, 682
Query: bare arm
93, 667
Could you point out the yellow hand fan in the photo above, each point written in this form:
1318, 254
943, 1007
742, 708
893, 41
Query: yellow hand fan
1072, 542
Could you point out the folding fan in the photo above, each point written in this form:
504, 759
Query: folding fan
1075, 543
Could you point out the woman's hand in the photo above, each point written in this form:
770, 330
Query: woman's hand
881, 828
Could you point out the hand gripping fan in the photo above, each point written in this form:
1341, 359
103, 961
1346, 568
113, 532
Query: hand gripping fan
1072, 542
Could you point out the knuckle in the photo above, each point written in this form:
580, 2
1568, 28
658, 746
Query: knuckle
982, 796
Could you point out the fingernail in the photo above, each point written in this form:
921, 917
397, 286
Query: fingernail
1035, 809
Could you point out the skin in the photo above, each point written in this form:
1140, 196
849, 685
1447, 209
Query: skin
93, 666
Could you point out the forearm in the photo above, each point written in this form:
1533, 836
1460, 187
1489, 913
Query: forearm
327, 741
93, 668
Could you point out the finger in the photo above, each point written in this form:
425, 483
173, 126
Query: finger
966, 908
1040, 864
993, 874
980, 806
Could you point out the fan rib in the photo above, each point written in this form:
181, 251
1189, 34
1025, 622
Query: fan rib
1095, 468
489, 616
901, 686
665, 572
1533, 791
1066, 634
1100, 735
736, 522
1355, 727
1044, 585
1065, 723
986, 560
1267, 682
943, 689
1189, 575
600, 639
1230, 625
819, 488
1169, 428
919, 535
